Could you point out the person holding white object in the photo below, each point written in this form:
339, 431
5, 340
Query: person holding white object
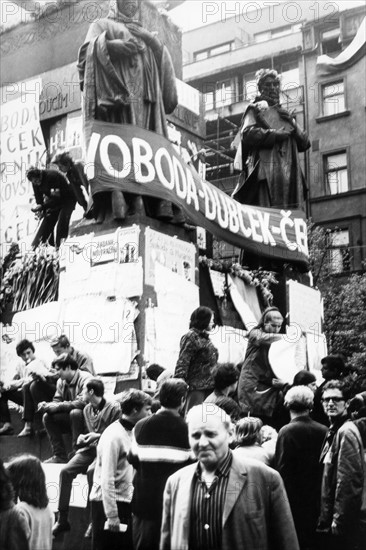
259, 390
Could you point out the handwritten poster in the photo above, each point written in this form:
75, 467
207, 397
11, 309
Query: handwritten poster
170, 252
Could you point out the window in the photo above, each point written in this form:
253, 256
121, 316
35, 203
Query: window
338, 251
336, 173
198, 56
333, 101
262, 36
215, 50
331, 42
223, 93
276, 33
282, 31
223, 48
249, 87
208, 99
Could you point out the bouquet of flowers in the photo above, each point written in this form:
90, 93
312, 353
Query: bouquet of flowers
31, 280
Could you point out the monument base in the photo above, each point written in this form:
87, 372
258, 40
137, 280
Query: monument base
128, 288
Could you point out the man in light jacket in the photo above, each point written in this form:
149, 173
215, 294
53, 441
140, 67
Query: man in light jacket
223, 502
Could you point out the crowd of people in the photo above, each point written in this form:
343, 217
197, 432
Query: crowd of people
204, 463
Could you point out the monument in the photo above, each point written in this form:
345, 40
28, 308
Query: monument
127, 77
268, 151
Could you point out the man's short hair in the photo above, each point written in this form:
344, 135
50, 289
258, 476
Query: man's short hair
154, 371
334, 362
63, 158
337, 385
34, 173
224, 375
65, 360
205, 410
299, 399
171, 392
23, 346
62, 341
97, 385
133, 399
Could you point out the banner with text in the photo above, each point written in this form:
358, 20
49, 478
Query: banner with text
135, 160
22, 145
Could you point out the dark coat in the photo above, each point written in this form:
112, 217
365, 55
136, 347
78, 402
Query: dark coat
272, 176
297, 459
256, 394
197, 357
343, 483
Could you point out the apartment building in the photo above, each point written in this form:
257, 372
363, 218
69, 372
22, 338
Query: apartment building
220, 60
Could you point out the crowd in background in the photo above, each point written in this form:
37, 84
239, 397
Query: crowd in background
160, 466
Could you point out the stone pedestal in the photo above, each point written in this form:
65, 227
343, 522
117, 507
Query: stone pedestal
158, 243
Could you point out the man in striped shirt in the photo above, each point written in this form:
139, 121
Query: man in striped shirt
224, 502
160, 448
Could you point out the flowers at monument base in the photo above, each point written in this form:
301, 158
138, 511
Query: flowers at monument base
30, 280
259, 278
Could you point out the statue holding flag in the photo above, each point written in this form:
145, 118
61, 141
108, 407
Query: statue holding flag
127, 77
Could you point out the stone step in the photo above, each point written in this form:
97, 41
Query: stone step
37, 444
78, 515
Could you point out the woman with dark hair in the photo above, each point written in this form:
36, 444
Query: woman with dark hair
305, 378
197, 357
29, 482
259, 391
12, 523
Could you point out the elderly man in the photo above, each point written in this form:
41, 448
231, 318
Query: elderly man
297, 458
268, 153
223, 503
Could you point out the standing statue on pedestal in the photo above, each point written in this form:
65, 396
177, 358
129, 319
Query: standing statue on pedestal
268, 152
127, 77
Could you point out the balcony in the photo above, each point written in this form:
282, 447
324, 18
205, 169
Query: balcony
236, 58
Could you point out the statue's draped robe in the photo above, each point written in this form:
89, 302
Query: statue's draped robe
129, 88
272, 175
137, 89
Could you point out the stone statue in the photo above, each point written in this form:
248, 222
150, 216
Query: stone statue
268, 153
127, 77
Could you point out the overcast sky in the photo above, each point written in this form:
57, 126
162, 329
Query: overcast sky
195, 13
191, 13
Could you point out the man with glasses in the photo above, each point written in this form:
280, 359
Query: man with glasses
343, 475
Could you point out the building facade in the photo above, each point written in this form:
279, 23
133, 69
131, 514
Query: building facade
220, 60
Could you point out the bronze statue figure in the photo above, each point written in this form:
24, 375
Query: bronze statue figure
127, 77
270, 144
